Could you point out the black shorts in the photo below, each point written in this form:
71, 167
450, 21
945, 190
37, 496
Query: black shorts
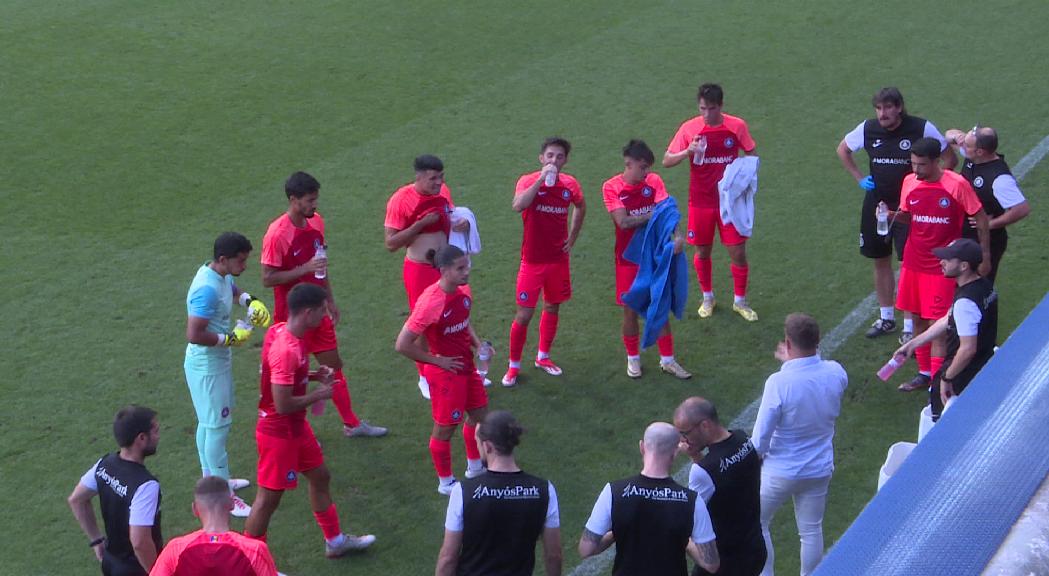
873, 245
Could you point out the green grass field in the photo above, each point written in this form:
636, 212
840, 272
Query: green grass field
133, 133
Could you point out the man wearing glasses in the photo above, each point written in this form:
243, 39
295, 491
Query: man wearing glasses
728, 479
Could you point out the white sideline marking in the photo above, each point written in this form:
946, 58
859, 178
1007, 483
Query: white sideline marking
835, 338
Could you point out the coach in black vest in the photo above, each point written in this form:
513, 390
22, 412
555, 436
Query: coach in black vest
971, 323
495, 519
728, 479
653, 520
128, 495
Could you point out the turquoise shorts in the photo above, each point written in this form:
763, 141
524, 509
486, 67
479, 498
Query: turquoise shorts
212, 394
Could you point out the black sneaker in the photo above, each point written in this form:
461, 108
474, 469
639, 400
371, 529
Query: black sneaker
920, 382
906, 337
880, 327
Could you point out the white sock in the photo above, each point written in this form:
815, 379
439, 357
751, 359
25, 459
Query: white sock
739, 299
423, 381
926, 374
542, 355
887, 313
708, 295
445, 480
629, 357
908, 324
515, 364
665, 359
474, 465
336, 541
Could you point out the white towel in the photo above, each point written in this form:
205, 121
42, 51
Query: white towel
736, 192
469, 241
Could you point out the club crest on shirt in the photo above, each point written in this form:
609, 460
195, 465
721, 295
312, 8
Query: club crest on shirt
905, 144
522, 296
291, 476
729, 142
978, 182
944, 202
457, 414
466, 303
565, 194
317, 244
225, 411
646, 192
691, 234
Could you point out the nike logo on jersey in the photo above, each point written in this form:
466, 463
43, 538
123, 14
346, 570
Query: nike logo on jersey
876, 143
296, 252
542, 192
447, 314
913, 202
623, 197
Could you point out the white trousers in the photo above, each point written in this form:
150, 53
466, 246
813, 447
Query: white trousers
810, 500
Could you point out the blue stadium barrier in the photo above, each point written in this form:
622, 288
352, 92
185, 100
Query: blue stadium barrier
953, 501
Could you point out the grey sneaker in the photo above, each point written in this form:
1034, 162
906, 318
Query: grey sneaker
880, 328
445, 489
475, 473
906, 337
675, 370
349, 544
364, 430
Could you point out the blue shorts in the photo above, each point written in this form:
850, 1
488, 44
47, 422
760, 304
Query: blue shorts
212, 394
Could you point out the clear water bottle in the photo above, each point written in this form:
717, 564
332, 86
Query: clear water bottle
882, 213
701, 151
551, 178
891, 366
321, 254
484, 357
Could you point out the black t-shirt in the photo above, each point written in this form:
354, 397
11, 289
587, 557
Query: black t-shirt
734, 467
982, 177
652, 519
890, 155
117, 481
980, 291
503, 516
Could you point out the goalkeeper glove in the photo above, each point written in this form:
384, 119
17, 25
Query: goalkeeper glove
257, 311
240, 335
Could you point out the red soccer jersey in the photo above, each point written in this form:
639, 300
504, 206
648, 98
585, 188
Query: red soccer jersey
205, 554
406, 206
723, 145
938, 211
285, 247
546, 219
635, 199
285, 362
445, 320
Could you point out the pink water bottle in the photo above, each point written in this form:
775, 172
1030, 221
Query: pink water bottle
891, 366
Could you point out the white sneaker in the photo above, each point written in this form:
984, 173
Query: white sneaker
475, 473
424, 387
349, 543
446, 489
633, 367
363, 430
675, 370
240, 507
238, 484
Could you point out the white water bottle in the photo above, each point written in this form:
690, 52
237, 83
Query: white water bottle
321, 254
484, 357
882, 213
701, 151
551, 177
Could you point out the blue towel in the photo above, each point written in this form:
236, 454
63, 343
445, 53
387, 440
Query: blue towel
661, 285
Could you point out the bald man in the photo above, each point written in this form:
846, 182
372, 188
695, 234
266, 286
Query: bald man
653, 520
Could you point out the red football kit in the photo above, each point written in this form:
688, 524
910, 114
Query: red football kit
938, 211
544, 263
636, 199
227, 553
406, 207
286, 443
444, 318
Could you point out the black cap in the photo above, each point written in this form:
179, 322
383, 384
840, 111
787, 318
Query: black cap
963, 249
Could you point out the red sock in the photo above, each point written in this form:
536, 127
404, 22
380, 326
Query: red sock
632, 344
260, 537
441, 452
547, 331
470, 440
666, 344
739, 279
935, 364
340, 396
518, 336
703, 272
329, 522
921, 355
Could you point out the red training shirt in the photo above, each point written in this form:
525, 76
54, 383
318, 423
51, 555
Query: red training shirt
635, 199
407, 206
445, 320
546, 219
285, 247
723, 145
285, 362
938, 211
224, 554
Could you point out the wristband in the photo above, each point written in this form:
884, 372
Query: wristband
96, 541
246, 299
223, 340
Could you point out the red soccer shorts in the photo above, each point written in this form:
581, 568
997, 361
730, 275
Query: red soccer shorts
322, 338
625, 274
554, 280
417, 278
453, 395
927, 295
281, 459
701, 225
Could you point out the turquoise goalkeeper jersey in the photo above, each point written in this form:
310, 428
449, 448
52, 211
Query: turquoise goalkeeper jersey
210, 296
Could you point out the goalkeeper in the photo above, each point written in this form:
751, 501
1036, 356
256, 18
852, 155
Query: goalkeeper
209, 371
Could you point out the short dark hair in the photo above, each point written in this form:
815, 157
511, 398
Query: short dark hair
926, 148
212, 492
889, 95
502, 430
131, 421
447, 256
306, 296
711, 93
300, 184
231, 245
556, 141
987, 139
803, 331
638, 150
428, 162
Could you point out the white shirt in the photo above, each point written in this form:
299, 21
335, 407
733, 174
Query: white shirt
967, 317
600, 521
143, 503
795, 424
453, 518
700, 481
